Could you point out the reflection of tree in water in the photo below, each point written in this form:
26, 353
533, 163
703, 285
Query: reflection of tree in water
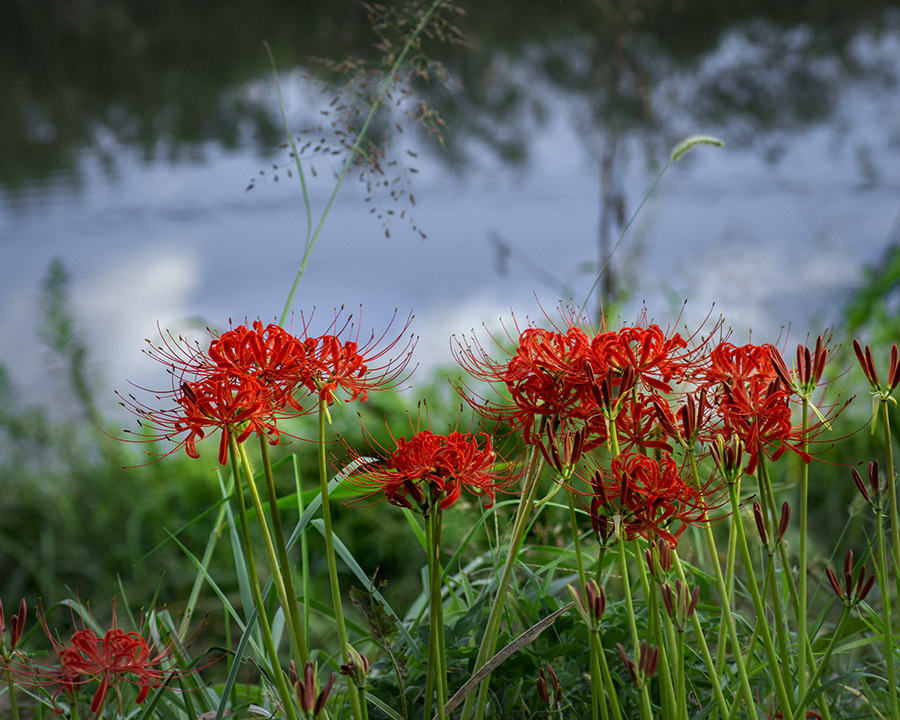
633, 74
172, 75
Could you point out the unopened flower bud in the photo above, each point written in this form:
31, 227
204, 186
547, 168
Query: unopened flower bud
551, 695
356, 667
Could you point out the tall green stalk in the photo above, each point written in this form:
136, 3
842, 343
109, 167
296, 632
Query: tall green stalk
312, 236
284, 566
284, 694
784, 701
492, 629
288, 606
337, 604
886, 614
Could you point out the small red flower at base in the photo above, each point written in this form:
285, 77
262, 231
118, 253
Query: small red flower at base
116, 657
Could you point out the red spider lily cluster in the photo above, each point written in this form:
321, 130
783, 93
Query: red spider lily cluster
116, 657
249, 378
640, 392
429, 470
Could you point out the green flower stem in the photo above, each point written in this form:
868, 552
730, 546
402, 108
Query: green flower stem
284, 694
626, 590
780, 628
489, 640
886, 614
802, 572
784, 701
714, 673
271, 555
660, 618
598, 706
714, 668
576, 540
284, 563
746, 692
304, 545
437, 674
823, 663
352, 691
788, 576
892, 489
611, 695
13, 703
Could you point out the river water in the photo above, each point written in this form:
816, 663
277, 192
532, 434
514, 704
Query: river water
773, 229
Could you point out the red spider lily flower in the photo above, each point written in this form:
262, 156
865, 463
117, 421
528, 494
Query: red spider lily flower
755, 405
656, 360
575, 376
218, 402
645, 497
431, 469
248, 380
116, 657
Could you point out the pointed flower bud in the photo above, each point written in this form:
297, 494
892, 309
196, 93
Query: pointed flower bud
592, 605
851, 593
760, 523
680, 603
644, 666
310, 701
356, 667
552, 694
729, 457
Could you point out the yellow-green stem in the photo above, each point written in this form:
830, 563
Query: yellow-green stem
489, 640
661, 625
626, 590
823, 663
801, 579
337, 604
886, 616
13, 703
284, 564
611, 695
784, 701
271, 554
576, 541
892, 491
284, 694
721, 703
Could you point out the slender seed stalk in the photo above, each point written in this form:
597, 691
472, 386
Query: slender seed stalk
278, 676
611, 695
313, 236
352, 691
